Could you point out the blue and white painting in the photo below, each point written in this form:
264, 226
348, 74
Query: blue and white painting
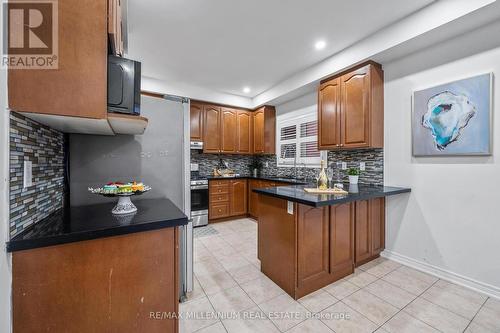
453, 118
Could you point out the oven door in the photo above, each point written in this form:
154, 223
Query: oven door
199, 198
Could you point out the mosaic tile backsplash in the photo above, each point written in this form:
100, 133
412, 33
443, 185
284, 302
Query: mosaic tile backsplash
373, 158
44, 147
208, 162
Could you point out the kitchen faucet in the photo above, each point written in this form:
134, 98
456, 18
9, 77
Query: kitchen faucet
285, 151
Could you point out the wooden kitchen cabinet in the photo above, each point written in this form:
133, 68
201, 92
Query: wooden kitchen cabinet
78, 88
233, 131
253, 198
342, 237
264, 130
72, 98
244, 132
329, 114
238, 197
370, 229
227, 198
212, 129
351, 109
313, 250
73, 287
196, 121
228, 131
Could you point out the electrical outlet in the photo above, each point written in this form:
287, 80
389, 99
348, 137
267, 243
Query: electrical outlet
362, 166
28, 174
344, 165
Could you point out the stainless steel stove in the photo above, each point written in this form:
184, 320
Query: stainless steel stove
199, 201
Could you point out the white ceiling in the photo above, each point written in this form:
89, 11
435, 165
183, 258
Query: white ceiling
224, 45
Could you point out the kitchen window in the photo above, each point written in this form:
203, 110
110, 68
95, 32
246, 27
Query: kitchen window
297, 139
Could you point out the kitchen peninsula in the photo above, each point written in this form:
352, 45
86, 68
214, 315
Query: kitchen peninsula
307, 241
83, 269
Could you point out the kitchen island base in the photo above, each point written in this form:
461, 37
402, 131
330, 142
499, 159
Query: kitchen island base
304, 248
126, 283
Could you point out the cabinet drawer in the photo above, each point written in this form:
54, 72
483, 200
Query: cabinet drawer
223, 189
215, 198
219, 210
219, 183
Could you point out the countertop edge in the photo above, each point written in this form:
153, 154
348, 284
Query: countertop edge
28, 244
337, 201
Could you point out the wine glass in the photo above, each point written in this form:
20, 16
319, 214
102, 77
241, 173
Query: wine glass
317, 180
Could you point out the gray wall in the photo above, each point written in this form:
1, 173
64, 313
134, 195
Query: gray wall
155, 158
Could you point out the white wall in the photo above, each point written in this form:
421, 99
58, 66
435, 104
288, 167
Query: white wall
5, 261
450, 223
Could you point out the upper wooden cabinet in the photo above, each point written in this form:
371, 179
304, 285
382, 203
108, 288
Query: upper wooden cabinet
212, 129
329, 115
244, 135
78, 88
229, 130
73, 97
196, 121
264, 130
233, 131
351, 109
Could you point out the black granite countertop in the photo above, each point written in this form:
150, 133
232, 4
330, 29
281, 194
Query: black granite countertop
296, 193
96, 221
269, 178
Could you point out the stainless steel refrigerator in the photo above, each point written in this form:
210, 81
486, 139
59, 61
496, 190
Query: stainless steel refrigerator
159, 158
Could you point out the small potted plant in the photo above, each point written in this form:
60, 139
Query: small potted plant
353, 175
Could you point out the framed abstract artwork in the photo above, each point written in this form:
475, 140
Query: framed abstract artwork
453, 119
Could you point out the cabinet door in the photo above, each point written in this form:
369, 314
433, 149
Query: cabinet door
196, 121
377, 224
211, 130
244, 132
238, 197
258, 132
341, 237
253, 198
218, 210
78, 88
312, 245
362, 227
329, 115
228, 134
355, 108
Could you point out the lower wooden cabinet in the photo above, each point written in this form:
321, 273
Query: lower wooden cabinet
238, 197
227, 198
253, 198
341, 237
370, 229
110, 284
313, 250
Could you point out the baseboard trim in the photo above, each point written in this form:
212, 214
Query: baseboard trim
461, 280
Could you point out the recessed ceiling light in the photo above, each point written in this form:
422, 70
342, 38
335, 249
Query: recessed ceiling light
320, 45
246, 90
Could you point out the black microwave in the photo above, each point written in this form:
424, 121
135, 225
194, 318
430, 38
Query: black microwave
124, 85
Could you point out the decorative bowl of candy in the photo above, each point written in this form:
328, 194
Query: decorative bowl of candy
123, 191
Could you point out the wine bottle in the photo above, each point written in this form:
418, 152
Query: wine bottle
323, 179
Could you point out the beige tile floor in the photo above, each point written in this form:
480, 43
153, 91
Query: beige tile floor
232, 295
